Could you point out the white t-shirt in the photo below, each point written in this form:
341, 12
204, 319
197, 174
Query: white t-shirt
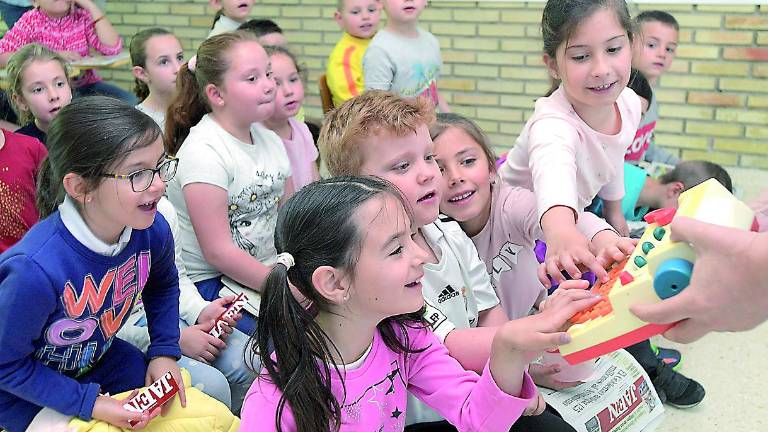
223, 25
157, 116
457, 288
253, 176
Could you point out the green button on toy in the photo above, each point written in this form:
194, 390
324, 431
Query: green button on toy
658, 233
647, 246
640, 261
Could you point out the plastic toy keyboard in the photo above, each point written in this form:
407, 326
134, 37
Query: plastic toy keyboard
657, 269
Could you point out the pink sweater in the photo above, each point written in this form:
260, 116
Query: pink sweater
74, 32
506, 243
376, 392
564, 161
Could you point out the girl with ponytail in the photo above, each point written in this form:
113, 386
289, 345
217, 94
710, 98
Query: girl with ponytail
346, 356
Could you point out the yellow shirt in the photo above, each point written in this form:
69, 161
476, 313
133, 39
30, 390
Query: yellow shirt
345, 68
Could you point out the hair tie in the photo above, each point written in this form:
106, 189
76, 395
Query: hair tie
285, 259
192, 63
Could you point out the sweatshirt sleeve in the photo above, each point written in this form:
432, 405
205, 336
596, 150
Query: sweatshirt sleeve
93, 38
590, 224
378, 69
552, 161
27, 299
161, 295
18, 36
466, 400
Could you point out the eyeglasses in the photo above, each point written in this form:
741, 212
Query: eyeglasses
141, 180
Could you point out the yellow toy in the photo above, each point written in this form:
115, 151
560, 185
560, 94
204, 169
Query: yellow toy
657, 269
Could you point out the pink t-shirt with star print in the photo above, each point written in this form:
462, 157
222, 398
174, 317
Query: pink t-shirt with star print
376, 392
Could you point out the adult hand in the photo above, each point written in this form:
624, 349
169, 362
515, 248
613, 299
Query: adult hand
727, 292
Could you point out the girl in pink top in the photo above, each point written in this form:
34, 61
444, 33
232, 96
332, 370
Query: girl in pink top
289, 95
347, 354
573, 146
502, 222
72, 28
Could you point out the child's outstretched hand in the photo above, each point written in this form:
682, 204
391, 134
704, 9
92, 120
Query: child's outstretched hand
568, 250
158, 367
111, 410
609, 247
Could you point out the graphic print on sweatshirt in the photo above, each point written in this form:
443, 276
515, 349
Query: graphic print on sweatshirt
93, 311
382, 397
504, 261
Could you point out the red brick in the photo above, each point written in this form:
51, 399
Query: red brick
756, 54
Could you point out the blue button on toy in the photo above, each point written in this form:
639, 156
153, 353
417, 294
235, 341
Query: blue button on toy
672, 276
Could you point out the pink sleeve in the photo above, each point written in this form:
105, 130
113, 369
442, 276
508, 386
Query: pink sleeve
260, 408
466, 400
18, 36
93, 38
590, 224
520, 214
552, 144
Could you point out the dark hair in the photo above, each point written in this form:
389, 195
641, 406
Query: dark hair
18, 63
190, 104
300, 68
260, 27
90, 136
138, 50
561, 17
449, 120
657, 15
691, 173
318, 227
640, 85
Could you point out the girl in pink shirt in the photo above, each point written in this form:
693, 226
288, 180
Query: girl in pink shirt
573, 146
289, 95
347, 354
71, 28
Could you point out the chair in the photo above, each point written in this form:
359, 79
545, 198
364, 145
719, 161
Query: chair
325, 95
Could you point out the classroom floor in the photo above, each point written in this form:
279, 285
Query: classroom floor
733, 368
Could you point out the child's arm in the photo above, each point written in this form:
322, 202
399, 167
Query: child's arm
567, 248
615, 216
207, 207
378, 69
100, 35
16, 37
27, 300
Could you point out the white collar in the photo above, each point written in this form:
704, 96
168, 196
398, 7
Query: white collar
74, 222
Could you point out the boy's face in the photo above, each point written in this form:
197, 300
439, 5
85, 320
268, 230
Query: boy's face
359, 18
408, 162
654, 49
404, 11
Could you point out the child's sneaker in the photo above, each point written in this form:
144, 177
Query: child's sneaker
675, 388
670, 357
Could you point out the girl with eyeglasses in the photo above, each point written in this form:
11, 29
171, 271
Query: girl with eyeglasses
67, 287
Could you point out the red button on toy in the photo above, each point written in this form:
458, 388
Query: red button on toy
661, 216
625, 278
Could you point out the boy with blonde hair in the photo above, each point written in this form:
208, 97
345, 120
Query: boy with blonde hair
359, 19
403, 58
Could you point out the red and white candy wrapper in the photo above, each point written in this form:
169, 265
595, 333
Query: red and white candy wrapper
154, 396
232, 310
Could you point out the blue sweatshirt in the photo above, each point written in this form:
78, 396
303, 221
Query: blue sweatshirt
61, 305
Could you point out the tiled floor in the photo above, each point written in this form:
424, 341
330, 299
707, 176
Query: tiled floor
733, 368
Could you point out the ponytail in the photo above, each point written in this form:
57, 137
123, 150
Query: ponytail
48, 195
190, 104
186, 109
298, 341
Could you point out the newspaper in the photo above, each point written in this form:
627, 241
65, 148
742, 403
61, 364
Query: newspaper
620, 398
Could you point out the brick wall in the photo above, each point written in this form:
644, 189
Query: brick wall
713, 103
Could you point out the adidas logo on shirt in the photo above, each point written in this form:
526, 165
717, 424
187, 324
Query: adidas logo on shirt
447, 294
